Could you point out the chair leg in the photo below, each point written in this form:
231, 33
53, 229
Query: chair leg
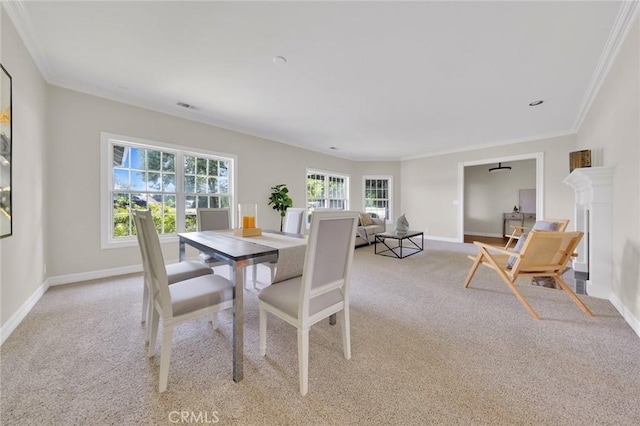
145, 300
573, 296
519, 296
303, 359
165, 357
263, 332
472, 272
346, 333
153, 331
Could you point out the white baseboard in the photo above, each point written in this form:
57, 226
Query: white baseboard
445, 239
94, 275
626, 314
484, 234
16, 319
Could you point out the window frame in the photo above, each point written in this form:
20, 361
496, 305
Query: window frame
107, 240
327, 175
389, 179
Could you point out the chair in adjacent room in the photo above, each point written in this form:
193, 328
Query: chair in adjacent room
205, 295
321, 291
176, 272
293, 223
543, 254
212, 220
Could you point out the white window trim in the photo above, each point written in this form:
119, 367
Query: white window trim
364, 199
106, 239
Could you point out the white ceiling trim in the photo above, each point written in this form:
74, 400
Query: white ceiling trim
21, 20
624, 21
492, 145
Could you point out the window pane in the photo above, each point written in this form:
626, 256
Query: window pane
153, 183
201, 184
137, 158
190, 184
169, 222
213, 167
168, 162
201, 166
190, 222
203, 202
138, 181
168, 182
214, 202
224, 202
154, 160
120, 179
190, 202
223, 168
223, 185
189, 165
213, 185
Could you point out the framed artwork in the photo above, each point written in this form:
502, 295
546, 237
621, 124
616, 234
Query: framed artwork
5, 153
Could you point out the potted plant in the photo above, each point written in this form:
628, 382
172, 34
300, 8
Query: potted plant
280, 199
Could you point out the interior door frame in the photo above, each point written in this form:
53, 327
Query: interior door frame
538, 156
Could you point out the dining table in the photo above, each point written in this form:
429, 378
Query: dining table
241, 252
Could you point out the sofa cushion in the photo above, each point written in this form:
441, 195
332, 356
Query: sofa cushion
365, 219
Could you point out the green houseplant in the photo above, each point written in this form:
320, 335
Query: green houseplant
280, 199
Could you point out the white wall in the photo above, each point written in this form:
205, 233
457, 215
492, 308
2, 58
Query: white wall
612, 129
430, 184
76, 120
489, 194
23, 254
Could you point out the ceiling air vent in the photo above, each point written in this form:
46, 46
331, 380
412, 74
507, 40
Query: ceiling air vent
185, 105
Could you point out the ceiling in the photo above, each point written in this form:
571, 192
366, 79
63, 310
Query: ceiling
374, 80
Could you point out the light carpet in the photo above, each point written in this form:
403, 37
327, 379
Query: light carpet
424, 351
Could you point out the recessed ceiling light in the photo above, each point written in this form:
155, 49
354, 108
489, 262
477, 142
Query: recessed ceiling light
536, 103
333, 147
279, 60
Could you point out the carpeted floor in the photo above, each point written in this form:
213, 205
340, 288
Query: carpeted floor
425, 351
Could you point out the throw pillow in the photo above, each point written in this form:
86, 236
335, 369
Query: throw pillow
541, 225
512, 260
365, 219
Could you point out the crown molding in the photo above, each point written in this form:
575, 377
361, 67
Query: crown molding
22, 21
622, 25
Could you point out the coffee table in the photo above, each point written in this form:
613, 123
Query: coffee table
399, 251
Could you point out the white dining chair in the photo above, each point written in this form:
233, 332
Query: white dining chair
176, 272
321, 291
293, 223
212, 219
205, 295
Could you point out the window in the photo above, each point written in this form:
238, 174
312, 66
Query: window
378, 198
170, 181
326, 190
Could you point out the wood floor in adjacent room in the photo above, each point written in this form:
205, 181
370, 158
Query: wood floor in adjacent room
494, 241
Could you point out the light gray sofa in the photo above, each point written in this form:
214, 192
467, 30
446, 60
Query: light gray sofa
366, 234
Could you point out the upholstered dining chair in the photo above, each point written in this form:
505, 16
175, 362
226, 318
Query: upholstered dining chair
205, 295
212, 220
176, 272
293, 223
321, 291
543, 254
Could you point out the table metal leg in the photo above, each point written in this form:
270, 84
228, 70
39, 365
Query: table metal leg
238, 334
181, 250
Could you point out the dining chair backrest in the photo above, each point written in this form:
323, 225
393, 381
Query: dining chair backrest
212, 219
293, 220
137, 214
155, 261
328, 258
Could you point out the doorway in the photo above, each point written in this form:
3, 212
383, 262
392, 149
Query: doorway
539, 186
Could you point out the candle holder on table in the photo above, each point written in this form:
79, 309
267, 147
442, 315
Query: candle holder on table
247, 219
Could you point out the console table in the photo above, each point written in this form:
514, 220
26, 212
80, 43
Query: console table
520, 217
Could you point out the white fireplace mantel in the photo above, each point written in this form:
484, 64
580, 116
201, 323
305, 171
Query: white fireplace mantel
593, 188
